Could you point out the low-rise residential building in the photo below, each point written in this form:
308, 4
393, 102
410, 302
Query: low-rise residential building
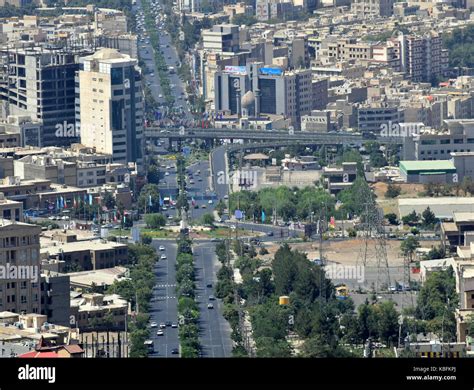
87, 255
97, 311
337, 179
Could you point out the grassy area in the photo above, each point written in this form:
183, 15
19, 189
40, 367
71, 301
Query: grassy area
119, 232
159, 233
221, 232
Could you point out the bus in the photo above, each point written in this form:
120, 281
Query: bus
149, 345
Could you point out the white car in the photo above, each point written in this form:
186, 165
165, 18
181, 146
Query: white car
153, 325
162, 248
162, 325
210, 201
167, 173
163, 257
160, 333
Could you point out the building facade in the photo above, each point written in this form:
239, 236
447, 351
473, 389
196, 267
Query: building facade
19, 253
110, 106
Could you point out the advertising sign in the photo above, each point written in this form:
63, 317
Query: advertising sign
271, 71
240, 70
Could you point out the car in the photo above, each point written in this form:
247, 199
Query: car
161, 248
212, 298
214, 239
65, 218
204, 206
191, 181
160, 333
209, 285
270, 234
175, 351
163, 257
162, 325
52, 218
168, 323
210, 201
174, 325
167, 173
164, 208
153, 324
210, 306
226, 196
196, 206
199, 178
170, 217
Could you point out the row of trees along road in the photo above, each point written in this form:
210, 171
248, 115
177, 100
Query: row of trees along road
187, 306
138, 291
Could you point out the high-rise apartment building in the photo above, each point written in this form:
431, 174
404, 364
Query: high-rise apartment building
19, 267
274, 91
39, 82
110, 105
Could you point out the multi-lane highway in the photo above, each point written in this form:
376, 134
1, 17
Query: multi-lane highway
164, 303
178, 88
214, 329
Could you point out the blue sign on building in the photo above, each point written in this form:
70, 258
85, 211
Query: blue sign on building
271, 71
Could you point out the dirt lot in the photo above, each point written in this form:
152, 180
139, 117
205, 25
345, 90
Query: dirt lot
391, 205
345, 252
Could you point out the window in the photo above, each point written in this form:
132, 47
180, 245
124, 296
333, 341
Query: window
117, 76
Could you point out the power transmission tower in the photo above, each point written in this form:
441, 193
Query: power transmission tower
322, 227
373, 253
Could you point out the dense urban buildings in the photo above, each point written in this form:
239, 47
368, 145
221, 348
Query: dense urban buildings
276, 179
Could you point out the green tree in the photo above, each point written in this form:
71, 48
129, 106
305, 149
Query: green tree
207, 219
411, 219
108, 200
429, 218
268, 347
316, 347
392, 191
387, 321
149, 190
155, 221
409, 246
153, 174
391, 218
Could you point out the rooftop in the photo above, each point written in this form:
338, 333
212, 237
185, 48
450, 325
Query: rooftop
85, 245
428, 165
463, 216
444, 200
100, 277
